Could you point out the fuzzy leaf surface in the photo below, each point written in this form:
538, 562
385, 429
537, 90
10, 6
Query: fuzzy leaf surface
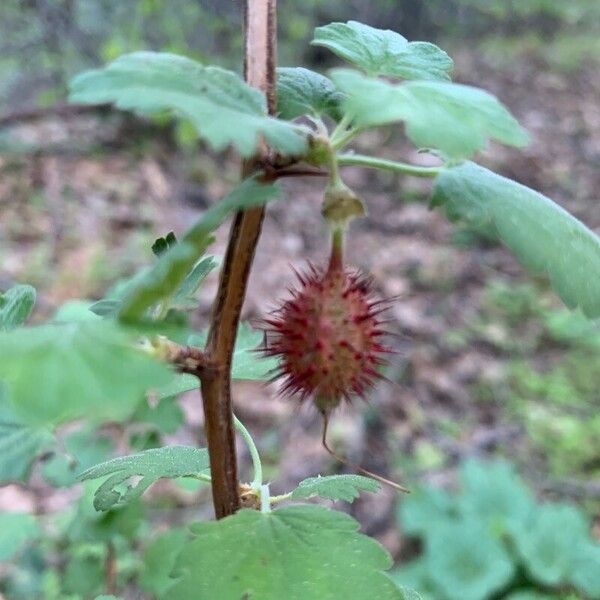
384, 52
223, 108
151, 465
65, 371
456, 119
335, 487
544, 237
301, 91
297, 553
16, 305
173, 266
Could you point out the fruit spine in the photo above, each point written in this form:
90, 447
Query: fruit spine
328, 335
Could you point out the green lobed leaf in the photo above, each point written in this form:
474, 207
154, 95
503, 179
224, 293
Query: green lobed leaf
301, 91
529, 595
248, 364
544, 237
16, 305
151, 465
84, 571
549, 543
423, 510
20, 444
412, 575
335, 487
585, 569
297, 553
384, 52
410, 594
223, 109
16, 529
465, 562
87, 525
456, 119
82, 449
164, 416
165, 277
75, 310
159, 560
65, 371
493, 493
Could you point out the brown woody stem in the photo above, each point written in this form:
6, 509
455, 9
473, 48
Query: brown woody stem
259, 67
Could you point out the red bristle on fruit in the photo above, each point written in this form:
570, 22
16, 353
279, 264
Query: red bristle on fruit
328, 335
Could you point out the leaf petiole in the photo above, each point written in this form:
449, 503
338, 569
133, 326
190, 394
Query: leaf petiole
281, 498
343, 133
257, 481
370, 162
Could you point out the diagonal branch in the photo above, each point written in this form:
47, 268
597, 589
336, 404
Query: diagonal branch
259, 67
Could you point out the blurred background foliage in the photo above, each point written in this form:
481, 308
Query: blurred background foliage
490, 363
45, 42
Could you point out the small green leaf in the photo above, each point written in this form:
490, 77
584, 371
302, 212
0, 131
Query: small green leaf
173, 266
223, 109
150, 465
65, 371
544, 237
384, 52
335, 487
465, 562
194, 278
456, 119
306, 552
304, 92
548, 545
162, 244
159, 560
20, 444
15, 530
16, 305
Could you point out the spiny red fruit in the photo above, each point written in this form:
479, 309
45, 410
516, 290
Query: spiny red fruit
328, 337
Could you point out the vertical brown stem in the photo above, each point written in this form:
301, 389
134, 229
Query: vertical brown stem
259, 68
